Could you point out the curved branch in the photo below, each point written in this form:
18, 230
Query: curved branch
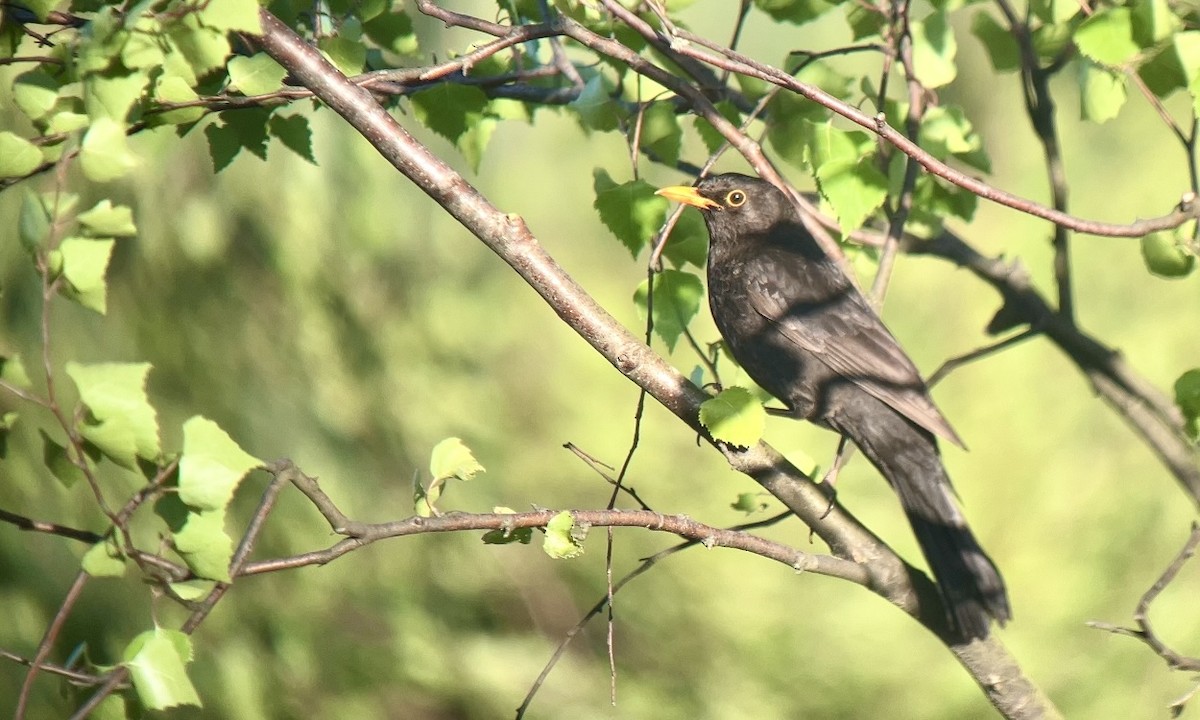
508, 236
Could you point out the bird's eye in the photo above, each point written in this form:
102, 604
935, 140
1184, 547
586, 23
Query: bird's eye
735, 198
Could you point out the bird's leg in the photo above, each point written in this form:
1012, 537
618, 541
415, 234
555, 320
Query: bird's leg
844, 451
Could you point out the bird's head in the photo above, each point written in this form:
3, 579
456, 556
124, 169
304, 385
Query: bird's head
734, 201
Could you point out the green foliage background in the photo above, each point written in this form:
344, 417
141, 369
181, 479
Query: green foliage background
334, 315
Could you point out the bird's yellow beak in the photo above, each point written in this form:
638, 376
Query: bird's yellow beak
687, 195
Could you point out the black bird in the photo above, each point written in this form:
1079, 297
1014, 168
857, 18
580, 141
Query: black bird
802, 330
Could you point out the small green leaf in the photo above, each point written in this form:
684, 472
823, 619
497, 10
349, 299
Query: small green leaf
193, 589
1001, 45
934, 49
18, 156
204, 545
595, 107
457, 113
749, 503
1153, 21
661, 134
56, 460
104, 559
12, 371
1187, 397
204, 48
794, 11
105, 155
392, 31
1166, 257
37, 214
563, 539
854, 189
347, 55
1107, 37
294, 133
157, 662
256, 75
108, 220
236, 15
451, 458
505, 536
734, 416
1101, 92
211, 466
121, 421
84, 264
112, 94
676, 300
175, 89
34, 93
630, 210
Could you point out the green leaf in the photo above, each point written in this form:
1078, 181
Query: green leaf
56, 460
794, 11
236, 15
34, 93
749, 503
734, 416
1055, 12
688, 242
84, 264
630, 210
1187, 397
853, 188
595, 108
8, 421
112, 94
37, 214
661, 133
256, 75
677, 296
1102, 92
204, 48
294, 133
121, 421
934, 49
457, 113
211, 466
451, 458
104, 559
1001, 46
392, 31
143, 50
563, 539
175, 89
347, 55
157, 662
1153, 21
827, 143
946, 132
1166, 257
109, 220
18, 156
1107, 37
505, 536
712, 139
204, 545
193, 589
12, 371
105, 155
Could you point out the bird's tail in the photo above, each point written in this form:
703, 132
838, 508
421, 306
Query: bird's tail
968, 579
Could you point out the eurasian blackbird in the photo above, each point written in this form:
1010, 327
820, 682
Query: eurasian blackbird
802, 330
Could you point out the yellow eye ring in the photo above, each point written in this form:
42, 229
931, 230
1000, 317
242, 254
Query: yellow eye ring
735, 198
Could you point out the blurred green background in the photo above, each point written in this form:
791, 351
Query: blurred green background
336, 316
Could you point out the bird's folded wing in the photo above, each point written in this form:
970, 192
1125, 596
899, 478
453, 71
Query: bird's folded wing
843, 332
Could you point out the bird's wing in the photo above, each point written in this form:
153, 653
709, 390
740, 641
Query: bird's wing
840, 329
